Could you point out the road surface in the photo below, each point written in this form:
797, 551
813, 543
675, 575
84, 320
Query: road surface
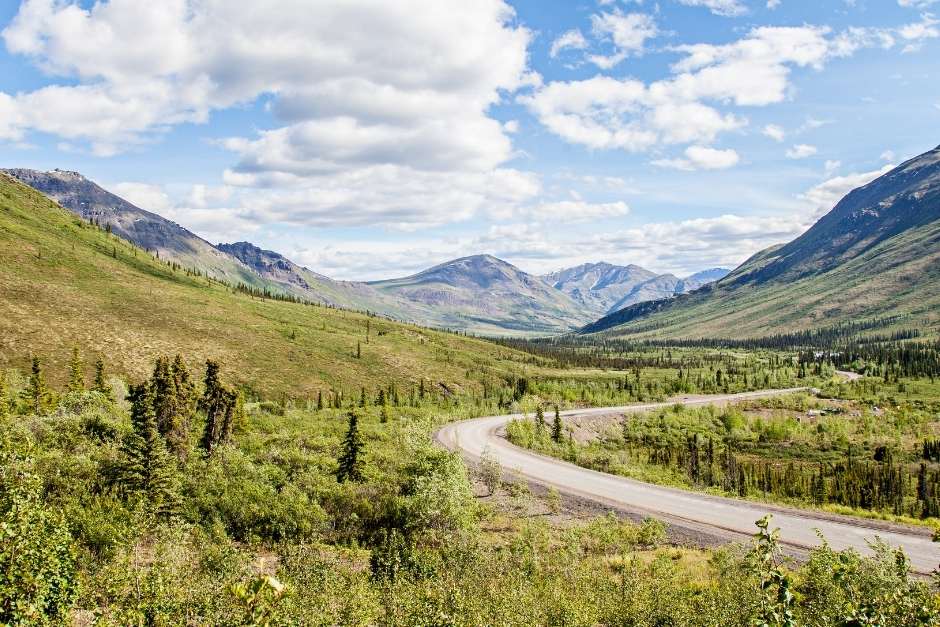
726, 518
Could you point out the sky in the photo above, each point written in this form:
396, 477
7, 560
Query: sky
367, 139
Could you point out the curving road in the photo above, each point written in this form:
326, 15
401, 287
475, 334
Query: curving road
726, 518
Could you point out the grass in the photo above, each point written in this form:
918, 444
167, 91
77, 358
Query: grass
898, 277
66, 283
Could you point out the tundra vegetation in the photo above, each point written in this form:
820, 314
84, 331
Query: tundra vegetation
178, 499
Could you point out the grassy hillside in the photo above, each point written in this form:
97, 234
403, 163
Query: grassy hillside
899, 277
64, 282
875, 255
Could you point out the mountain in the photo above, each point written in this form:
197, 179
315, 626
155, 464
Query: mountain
875, 256
64, 283
598, 286
144, 228
697, 280
536, 308
604, 288
487, 295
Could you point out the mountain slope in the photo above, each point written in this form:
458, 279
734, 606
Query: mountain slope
487, 295
875, 255
147, 230
604, 288
245, 263
64, 283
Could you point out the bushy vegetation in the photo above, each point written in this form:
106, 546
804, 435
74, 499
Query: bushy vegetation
259, 529
873, 452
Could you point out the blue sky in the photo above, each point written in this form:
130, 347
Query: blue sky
366, 139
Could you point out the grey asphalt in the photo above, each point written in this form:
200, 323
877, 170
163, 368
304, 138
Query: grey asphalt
723, 517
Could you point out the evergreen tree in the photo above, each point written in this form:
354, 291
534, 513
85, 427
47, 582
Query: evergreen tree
37, 393
539, 420
362, 397
556, 426
100, 385
320, 400
148, 469
385, 416
349, 459
217, 404
174, 398
76, 372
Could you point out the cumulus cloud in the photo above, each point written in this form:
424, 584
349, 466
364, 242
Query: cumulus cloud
702, 158
361, 105
603, 112
687, 107
801, 151
774, 132
727, 8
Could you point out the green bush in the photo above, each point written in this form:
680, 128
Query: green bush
37, 560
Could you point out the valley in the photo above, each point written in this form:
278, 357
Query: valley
292, 445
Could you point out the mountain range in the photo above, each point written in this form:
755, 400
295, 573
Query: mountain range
607, 288
874, 257
479, 294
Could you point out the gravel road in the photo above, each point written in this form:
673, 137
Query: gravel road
724, 517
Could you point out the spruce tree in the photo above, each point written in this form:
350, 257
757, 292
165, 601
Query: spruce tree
100, 384
212, 404
223, 408
385, 416
349, 459
173, 402
362, 398
37, 393
76, 372
539, 420
148, 469
320, 400
556, 426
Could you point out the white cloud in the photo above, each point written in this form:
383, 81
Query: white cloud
915, 33
917, 4
888, 155
801, 151
627, 32
821, 198
686, 107
576, 210
773, 4
146, 196
572, 39
604, 112
774, 132
702, 158
727, 8
385, 110
832, 165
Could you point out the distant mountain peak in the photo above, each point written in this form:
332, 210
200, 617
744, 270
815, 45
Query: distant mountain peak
604, 287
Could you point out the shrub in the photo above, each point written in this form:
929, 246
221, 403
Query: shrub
37, 562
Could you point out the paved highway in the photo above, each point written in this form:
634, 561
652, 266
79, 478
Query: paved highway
727, 518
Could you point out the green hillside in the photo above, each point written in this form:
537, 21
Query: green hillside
875, 256
64, 283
